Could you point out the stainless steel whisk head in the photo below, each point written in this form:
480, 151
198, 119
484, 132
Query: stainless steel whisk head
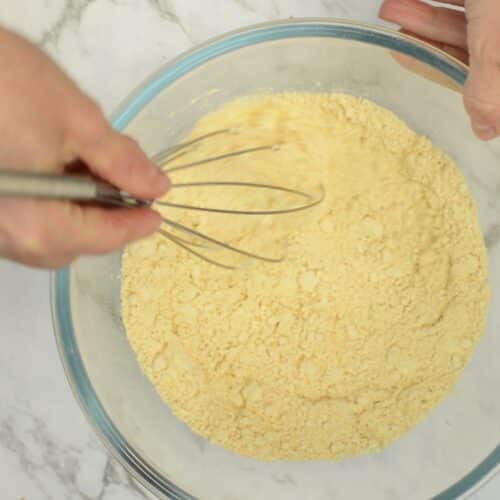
86, 188
165, 158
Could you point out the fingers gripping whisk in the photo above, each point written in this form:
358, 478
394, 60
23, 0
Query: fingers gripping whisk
196, 242
85, 188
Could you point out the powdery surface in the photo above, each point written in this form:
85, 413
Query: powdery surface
365, 327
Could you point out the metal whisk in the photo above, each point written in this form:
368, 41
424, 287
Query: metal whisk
85, 188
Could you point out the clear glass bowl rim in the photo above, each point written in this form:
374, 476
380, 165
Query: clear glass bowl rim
75, 371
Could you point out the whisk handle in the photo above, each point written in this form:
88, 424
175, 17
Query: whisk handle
61, 187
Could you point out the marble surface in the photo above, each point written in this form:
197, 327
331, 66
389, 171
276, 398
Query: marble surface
47, 449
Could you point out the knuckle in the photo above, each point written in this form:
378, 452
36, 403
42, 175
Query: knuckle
130, 155
34, 243
130, 147
484, 48
118, 231
36, 249
91, 111
482, 107
129, 142
89, 122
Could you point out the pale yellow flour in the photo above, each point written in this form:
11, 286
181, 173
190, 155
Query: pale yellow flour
363, 329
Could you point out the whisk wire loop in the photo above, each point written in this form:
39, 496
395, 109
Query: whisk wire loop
167, 157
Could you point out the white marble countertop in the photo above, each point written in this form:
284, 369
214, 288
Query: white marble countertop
47, 449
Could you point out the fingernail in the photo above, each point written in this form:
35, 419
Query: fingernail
484, 132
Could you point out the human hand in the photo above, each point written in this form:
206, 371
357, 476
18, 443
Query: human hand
48, 125
471, 34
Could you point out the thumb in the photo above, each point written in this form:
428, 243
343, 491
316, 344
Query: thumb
115, 157
482, 89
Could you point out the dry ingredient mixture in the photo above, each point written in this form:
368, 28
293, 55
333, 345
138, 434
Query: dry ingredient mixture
365, 327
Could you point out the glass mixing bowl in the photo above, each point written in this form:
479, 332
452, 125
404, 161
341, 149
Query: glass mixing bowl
456, 448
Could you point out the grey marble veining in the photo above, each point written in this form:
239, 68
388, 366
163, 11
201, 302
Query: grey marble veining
47, 449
